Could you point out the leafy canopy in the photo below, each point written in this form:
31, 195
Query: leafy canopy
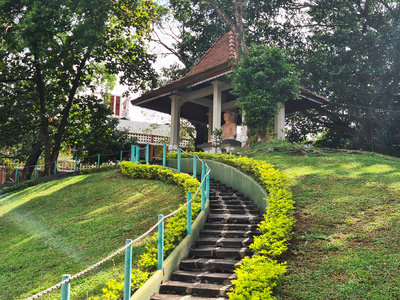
53, 51
262, 79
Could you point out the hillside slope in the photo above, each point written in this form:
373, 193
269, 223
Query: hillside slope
346, 242
66, 225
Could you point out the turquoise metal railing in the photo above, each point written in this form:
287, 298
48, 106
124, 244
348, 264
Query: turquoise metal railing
204, 189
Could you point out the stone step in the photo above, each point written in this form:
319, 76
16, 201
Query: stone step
230, 198
182, 297
196, 289
232, 218
235, 201
220, 226
228, 233
238, 206
220, 252
224, 242
234, 211
204, 277
209, 264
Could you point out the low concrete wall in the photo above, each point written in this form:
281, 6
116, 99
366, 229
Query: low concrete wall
152, 285
225, 174
230, 176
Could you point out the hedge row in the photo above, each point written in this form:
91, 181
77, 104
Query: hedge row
259, 274
175, 226
31, 182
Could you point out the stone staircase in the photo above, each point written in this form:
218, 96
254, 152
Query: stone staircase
223, 242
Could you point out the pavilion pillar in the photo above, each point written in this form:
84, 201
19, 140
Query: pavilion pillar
280, 121
210, 123
243, 137
217, 105
175, 117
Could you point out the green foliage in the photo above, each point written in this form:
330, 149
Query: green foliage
27, 183
174, 227
201, 27
344, 243
262, 79
115, 287
69, 224
256, 278
19, 186
101, 169
53, 52
93, 130
276, 228
356, 63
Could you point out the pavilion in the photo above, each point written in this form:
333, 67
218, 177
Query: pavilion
204, 95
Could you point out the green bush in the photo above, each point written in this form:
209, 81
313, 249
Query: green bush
276, 228
175, 226
31, 182
256, 278
19, 186
101, 169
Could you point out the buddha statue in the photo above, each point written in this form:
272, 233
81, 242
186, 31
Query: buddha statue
229, 127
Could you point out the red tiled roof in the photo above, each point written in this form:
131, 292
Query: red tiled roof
218, 60
223, 51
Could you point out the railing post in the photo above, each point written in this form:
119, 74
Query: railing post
120, 157
98, 160
203, 185
208, 184
178, 167
76, 163
160, 253
189, 214
128, 271
55, 167
16, 175
194, 166
35, 172
147, 153
65, 288
164, 157
132, 153
137, 153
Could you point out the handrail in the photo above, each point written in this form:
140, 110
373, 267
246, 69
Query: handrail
204, 180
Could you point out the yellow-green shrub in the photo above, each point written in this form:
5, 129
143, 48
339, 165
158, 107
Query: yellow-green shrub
257, 276
174, 227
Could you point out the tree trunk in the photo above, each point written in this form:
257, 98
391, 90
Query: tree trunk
32, 161
235, 25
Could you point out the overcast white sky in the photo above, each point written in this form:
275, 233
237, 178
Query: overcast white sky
142, 114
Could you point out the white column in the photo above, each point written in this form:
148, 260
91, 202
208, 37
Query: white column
175, 116
280, 121
217, 104
243, 137
210, 123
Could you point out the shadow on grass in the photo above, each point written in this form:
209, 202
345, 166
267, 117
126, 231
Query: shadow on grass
72, 224
347, 235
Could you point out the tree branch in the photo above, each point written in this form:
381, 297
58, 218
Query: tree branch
221, 13
174, 52
65, 114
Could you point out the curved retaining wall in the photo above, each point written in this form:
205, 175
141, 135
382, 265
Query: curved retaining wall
230, 176
225, 174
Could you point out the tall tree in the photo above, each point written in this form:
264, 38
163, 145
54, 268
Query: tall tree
202, 22
354, 58
51, 49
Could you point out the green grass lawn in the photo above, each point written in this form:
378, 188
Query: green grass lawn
346, 241
66, 225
